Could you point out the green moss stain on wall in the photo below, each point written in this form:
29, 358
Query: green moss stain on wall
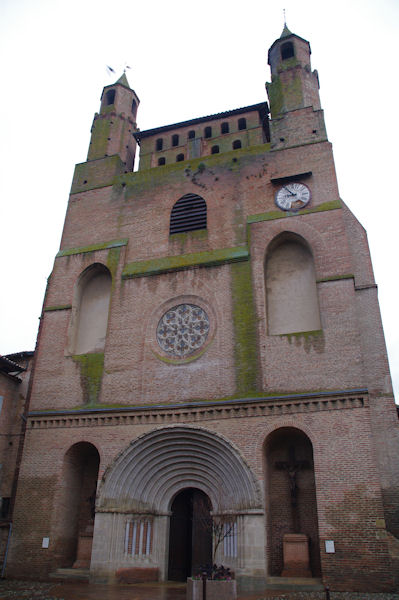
149, 178
181, 239
280, 214
112, 263
58, 307
285, 92
96, 173
244, 328
91, 372
167, 264
292, 91
276, 98
99, 138
93, 248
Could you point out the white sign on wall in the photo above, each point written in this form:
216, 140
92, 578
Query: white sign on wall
330, 547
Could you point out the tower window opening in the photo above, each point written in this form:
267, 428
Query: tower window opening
161, 161
134, 106
191, 134
179, 157
215, 150
287, 50
188, 214
159, 144
175, 140
236, 144
242, 123
208, 132
224, 128
110, 97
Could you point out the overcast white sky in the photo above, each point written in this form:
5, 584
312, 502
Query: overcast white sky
189, 59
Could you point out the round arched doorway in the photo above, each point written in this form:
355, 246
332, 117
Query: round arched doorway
190, 534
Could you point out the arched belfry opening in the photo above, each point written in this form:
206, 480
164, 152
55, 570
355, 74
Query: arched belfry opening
287, 50
190, 534
76, 510
291, 508
110, 97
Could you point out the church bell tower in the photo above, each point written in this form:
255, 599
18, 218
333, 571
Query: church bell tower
114, 126
293, 93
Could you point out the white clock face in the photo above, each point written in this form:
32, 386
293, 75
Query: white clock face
293, 196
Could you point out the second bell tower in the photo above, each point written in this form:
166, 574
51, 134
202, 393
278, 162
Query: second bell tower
113, 127
296, 115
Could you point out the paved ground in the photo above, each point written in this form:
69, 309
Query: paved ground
30, 590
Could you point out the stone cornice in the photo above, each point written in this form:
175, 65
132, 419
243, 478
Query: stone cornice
196, 412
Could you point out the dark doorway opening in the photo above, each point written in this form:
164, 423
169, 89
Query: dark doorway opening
190, 534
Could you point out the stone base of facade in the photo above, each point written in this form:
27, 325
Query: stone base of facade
137, 575
215, 590
85, 543
296, 555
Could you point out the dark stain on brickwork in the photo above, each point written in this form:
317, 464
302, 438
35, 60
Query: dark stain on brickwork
36, 498
361, 547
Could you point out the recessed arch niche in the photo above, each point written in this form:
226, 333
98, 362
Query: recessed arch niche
91, 308
76, 509
290, 495
290, 283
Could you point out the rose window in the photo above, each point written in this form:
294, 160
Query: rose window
182, 330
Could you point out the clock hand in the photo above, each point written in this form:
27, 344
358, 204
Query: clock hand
289, 191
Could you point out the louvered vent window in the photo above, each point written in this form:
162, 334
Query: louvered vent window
188, 214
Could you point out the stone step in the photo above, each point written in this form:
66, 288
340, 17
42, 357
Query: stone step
303, 584
75, 574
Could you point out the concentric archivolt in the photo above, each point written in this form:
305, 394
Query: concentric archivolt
147, 475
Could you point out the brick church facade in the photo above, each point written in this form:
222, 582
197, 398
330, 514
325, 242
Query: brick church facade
211, 336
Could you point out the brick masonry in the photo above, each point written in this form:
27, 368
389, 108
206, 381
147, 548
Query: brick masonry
332, 385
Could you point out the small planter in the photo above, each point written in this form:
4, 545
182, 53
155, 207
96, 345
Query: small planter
215, 589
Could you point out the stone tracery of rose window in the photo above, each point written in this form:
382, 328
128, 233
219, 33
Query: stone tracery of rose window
182, 330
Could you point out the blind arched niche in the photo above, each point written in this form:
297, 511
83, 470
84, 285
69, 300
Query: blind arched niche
290, 282
93, 295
